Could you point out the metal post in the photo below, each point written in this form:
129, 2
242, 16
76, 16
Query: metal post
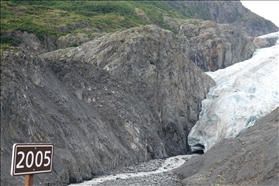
29, 180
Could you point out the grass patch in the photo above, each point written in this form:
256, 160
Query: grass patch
48, 17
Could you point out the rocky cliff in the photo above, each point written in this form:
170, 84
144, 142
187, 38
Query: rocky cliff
122, 98
250, 159
213, 46
231, 12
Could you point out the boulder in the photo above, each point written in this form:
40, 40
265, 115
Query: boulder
266, 40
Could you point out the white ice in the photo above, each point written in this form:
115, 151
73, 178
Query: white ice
169, 164
244, 92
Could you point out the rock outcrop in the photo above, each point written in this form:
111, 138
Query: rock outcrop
222, 12
213, 46
228, 12
117, 100
142, 14
29, 42
266, 40
250, 159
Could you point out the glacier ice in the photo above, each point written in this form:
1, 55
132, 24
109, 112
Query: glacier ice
244, 92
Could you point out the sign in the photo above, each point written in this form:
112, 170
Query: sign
31, 158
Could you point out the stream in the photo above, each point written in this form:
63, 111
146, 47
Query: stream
154, 172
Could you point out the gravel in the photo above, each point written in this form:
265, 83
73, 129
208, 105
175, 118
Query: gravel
149, 166
167, 179
155, 172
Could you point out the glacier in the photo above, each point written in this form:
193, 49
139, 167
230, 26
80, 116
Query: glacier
244, 92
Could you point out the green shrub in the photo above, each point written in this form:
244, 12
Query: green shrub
38, 30
73, 45
9, 40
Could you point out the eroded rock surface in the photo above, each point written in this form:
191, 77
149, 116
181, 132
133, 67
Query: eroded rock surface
117, 100
213, 46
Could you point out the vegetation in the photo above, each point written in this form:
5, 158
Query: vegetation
62, 17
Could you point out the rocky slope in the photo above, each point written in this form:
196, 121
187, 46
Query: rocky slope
228, 12
250, 159
119, 99
212, 46
80, 22
122, 98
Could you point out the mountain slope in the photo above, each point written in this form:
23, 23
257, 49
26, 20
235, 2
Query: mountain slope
119, 90
117, 100
59, 18
226, 12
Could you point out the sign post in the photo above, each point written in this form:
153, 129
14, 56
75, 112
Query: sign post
31, 158
29, 180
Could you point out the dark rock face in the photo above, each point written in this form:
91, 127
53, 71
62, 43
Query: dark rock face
250, 159
29, 42
120, 99
219, 46
213, 46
